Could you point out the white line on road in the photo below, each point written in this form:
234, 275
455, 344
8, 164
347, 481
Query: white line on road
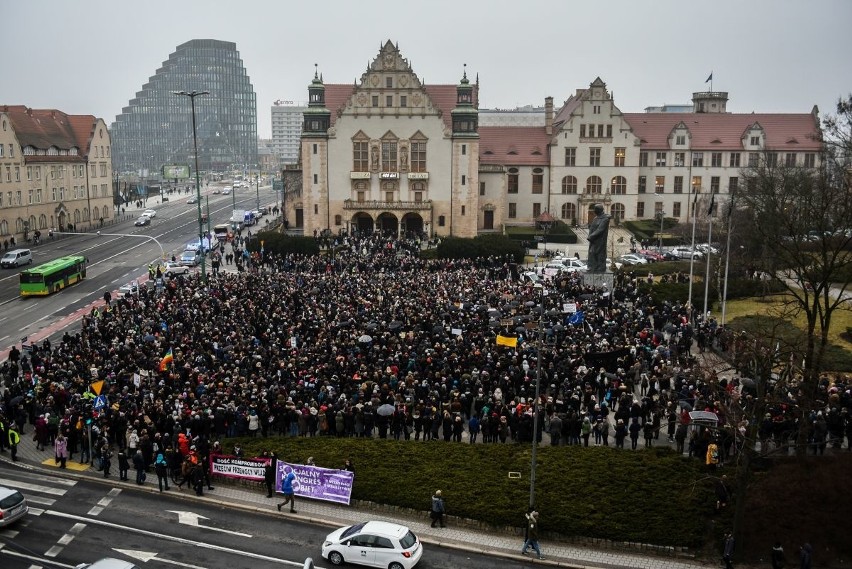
33, 558
167, 537
18, 485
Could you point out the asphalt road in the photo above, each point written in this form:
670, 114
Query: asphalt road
79, 521
113, 260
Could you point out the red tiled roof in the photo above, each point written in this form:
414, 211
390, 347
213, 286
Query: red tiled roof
43, 128
443, 98
724, 131
565, 112
513, 145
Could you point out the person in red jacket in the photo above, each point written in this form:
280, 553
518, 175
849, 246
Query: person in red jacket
183, 444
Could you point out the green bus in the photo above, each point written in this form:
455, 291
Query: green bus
53, 276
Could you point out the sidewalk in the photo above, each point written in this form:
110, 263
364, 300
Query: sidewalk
500, 544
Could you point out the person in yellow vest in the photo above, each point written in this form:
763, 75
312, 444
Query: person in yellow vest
712, 458
14, 440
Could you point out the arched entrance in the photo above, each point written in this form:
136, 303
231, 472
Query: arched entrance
412, 224
362, 223
388, 224
591, 213
62, 220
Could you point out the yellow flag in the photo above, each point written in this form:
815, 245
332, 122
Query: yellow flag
97, 386
507, 341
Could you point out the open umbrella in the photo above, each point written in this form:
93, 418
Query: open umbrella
385, 410
529, 304
371, 326
558, 328
685, 405
493, 312
395, 325
365, 339
494, 323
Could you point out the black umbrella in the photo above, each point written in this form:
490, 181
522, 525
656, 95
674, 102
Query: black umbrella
437, 329
395, 325
371, 326
558, 328
685, 405
493, 323
520, 329
529, 303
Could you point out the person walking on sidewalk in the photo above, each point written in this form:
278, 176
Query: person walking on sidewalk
162, 471
532, 535
728, 550
60, 450
288, 490
123, 464
779, 560
438, 509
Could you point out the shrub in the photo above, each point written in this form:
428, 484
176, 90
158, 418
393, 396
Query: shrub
283, 244
482, 246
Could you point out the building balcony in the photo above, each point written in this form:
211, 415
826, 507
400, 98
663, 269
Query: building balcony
388, 206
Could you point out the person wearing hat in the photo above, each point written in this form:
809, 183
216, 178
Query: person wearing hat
532, 535
438, 509
14, 440
728, 550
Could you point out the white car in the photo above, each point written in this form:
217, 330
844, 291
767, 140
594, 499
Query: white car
190, 258
108, 563
152, 213
171, 269
129, 289
375, 544
687, 252
631, 259
13, 506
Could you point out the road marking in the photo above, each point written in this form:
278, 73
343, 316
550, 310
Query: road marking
35, 511
33, 487
33, 558
65, 540
145, 556
40, 500
168, 537
191, 519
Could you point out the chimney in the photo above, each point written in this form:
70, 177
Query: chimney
548, 115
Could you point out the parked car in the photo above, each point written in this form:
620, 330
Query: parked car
670, 256
707, 249
652, 256
171, 269
530, 277
13, 506
108, 563
16, 258
192, 200
129, 289
152, 213
687, 252
633, 259
189, 258
143, 220
571, 264
216, 190
375, 544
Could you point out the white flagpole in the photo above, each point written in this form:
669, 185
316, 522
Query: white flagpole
707, 270
727, 259
692, 254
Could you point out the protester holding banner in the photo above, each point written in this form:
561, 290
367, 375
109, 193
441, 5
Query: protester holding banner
287, 489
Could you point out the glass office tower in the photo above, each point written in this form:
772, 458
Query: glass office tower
156, 126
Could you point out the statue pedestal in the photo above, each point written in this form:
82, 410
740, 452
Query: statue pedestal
598, 280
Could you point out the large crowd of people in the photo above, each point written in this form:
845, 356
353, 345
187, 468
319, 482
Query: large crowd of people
372, 342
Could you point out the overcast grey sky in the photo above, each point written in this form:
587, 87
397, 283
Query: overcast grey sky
92, 56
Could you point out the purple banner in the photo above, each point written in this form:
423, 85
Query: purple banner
236, 467
317, 483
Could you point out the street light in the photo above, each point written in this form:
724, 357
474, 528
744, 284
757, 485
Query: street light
192, 95
662, 215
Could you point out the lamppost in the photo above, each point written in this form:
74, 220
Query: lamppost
662, 215
192, 95
546, 221
257, 189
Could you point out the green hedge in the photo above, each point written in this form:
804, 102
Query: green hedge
559, 233
650, 496
481, 246
283, 244
646, 229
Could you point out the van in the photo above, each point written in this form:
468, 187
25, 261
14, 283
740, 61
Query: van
16, 258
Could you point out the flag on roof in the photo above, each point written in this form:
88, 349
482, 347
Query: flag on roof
709, 78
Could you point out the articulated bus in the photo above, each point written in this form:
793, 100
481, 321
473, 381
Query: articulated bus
53, 276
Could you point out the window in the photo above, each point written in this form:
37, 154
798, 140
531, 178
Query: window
8, 173
658, 208
316, 180
55, 195
600, 131
582, 131
403, 101
464, 149
755, 141
678, 184
696, 184
316, 209
569, 185
537, 181
338, 220
94, 170
620, 153
512, 184
536, 210
1, 150
735, 160
29, 173
361, 156
11, 150
481, 188
680, 139
810, 160
594, 156
643, 158
659, 184
418, 156
714, 184
38, 172
661, 159
360, 197
513, 210
389, 100
389, 82
418, 197
569, 211
570, 156
103, 169
753, 159
18, 196
38, 196
389, 196
464, 180
442, 221
676, 209
593, 185
618, 185
609, 131
680, 159
697, 159
733, 184
643, 180
640, 209
30, 195
389, 156
17, 173
315, 148
103, 190
596, 109
772, 159
375, 100
790, 159
716, 159
464, 210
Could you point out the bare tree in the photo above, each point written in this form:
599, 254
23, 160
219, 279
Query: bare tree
800, 221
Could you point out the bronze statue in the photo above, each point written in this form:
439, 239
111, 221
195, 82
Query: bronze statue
598, 230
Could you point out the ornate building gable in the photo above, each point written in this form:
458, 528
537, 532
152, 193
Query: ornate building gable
390, 87
754, 137
679, 137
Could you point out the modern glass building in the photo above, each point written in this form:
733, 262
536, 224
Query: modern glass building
155, 128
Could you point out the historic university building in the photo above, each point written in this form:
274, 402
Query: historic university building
394, 154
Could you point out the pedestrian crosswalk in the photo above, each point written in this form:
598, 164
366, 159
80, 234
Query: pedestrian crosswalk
41, 492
